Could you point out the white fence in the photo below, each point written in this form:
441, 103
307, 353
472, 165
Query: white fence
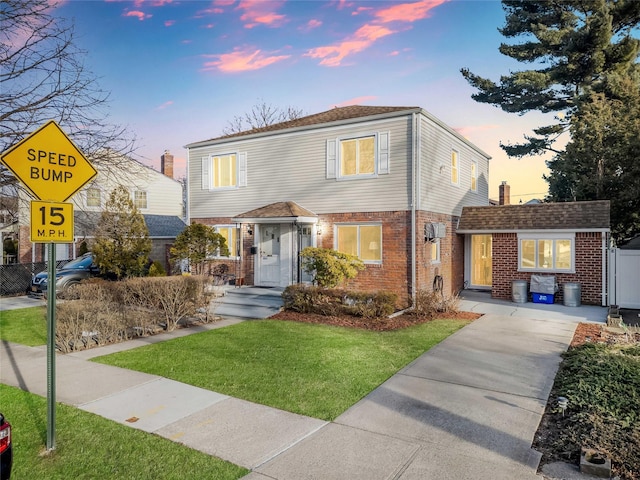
624, 278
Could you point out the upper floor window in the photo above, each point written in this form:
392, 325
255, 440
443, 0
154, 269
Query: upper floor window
546, 252
365, 156
93, 197
230, 234
364, 241
357, 156
455, 174
474, 176
224, 171
140, 199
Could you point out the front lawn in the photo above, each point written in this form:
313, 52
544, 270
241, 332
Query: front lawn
313, 370
91, 447
27, 326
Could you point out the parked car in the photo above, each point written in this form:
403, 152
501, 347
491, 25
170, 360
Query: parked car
6, 449
67, 277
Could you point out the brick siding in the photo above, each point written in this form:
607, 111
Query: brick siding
588, 268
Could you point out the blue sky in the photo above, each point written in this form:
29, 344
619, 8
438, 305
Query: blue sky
178, 71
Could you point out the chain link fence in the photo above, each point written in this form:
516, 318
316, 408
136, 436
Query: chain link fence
15, 278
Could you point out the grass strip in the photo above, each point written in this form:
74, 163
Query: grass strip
91, 447
313, 370
26, 326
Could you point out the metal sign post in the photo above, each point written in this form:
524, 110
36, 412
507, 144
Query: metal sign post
53, 169
51, 348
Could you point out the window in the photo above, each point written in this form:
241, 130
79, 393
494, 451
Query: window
454, 167
224, 171
474, 176
227, 171
365, 156
364, 241
140, 199
435, 250
230, 234
93, 197
357, 156
546, 253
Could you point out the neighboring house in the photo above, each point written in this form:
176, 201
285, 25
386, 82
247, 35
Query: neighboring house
385, 183
157, 196
512, 242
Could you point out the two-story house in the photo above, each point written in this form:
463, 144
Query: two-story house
385, 183
157, 195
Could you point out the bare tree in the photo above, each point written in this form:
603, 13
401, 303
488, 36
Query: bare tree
43, 77
261, 115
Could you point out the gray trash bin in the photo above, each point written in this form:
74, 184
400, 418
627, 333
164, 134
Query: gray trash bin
572, 293
519, 291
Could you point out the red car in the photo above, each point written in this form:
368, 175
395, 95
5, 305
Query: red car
6, 450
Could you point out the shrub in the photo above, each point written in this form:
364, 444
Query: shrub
329, 267
157, 270
429, 303
332, 302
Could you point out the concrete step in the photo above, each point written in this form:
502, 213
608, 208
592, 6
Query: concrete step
249, 302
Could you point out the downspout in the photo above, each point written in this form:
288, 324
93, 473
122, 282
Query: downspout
605, 250
414, 199
187, 213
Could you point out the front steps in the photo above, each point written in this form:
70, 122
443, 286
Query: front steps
249, 302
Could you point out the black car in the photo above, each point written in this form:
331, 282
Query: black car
6, 450
67, 276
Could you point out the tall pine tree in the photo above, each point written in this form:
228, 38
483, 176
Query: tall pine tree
584, 59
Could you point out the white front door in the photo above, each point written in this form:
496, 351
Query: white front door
269, 256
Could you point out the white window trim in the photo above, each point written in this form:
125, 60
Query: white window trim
146, 199
357, 176
547, 236
93, 189
230, 247
360, 224
457, 167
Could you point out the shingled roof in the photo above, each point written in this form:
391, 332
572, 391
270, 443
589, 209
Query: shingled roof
278, 210
583, 216
336, 114
160, 226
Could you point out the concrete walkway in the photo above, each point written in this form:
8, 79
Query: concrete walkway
466, 409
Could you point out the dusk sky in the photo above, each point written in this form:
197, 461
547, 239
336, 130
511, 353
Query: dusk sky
179, 71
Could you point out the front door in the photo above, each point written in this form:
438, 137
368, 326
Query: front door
269, 267
481, 261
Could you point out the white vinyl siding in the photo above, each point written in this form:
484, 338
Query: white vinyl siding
296, 166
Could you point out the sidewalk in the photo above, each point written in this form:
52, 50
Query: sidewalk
466, 409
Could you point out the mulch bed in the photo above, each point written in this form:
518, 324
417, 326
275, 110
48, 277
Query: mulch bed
375, 324
598, 333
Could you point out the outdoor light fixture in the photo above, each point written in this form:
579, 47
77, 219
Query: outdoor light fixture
563, 403
250, 230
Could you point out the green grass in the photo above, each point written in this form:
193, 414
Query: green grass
313, 370
91, 447
27, 326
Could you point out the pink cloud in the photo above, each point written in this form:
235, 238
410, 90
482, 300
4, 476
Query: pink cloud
165, 105
356, 101
311, 25
362, 39
259, 12
169, 23
241, 60
151, 3
138, 14
469, 130
408, 12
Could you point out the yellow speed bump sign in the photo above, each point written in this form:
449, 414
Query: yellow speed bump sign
49, 164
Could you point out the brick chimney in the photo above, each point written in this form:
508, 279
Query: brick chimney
505, 194
166, 164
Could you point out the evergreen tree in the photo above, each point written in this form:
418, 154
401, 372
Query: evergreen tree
584, 60
122, 243
197, 243
575, 45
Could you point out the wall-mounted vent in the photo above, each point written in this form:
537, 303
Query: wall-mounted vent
434, 230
